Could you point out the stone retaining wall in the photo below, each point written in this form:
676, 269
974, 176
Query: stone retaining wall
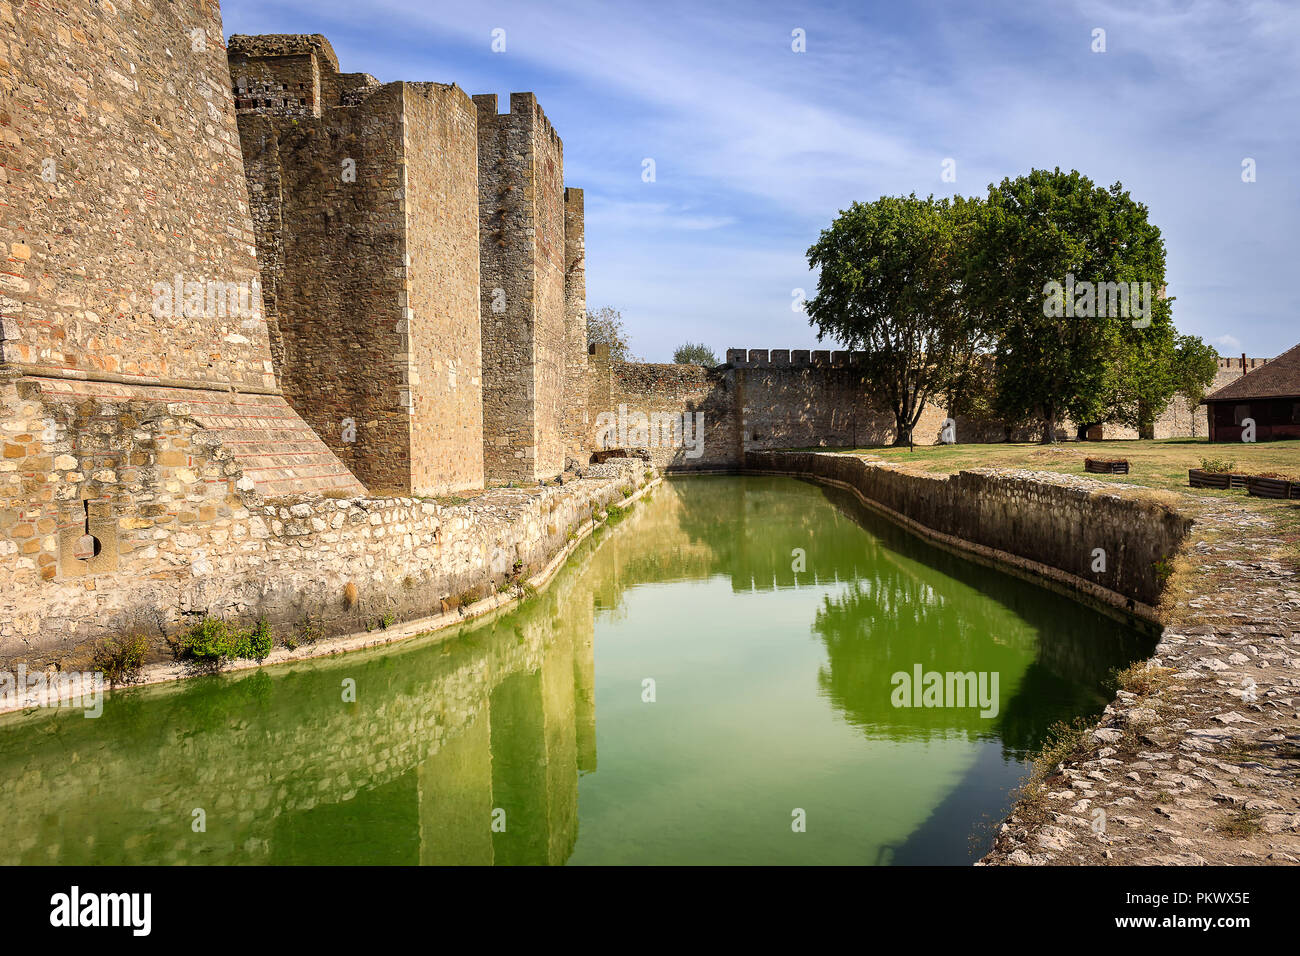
180, 534
1048, 523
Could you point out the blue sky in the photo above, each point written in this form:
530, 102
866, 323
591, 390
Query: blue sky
757, 147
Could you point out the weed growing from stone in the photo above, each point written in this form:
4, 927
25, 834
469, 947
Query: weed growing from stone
1240, 823
1141, 678
1064, 743
615, 514
120, 662
1164, 569
213, 642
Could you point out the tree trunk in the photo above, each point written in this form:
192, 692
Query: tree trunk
1049, 429
902, 432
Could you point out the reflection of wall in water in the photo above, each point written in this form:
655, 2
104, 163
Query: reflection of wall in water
268, 757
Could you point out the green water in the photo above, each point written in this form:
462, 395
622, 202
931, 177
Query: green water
528, 738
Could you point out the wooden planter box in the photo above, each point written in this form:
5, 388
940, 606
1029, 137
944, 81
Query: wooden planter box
1198, 478
1222, 480
1106, 466
1262, 487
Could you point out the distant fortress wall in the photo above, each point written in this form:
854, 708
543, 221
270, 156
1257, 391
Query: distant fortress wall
769, 399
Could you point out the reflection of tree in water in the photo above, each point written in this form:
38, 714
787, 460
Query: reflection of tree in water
923, 604
906, 602
892, 621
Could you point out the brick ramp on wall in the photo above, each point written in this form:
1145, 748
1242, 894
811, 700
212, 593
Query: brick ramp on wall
273, 445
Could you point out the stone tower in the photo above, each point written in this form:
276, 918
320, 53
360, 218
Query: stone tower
577, 417
365, 199
522, 238
136, 378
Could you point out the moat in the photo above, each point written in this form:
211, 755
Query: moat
709, 681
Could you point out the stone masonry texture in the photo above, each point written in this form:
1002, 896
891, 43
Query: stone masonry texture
365, 199
130, 273
576, 418
1039, 516
523, 295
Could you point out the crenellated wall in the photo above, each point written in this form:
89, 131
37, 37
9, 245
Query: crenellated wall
152, 470
576, 417
759, 400
365, 198
522, 239
813, 393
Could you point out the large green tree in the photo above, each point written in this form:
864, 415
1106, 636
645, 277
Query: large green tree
1043, 268
1195, 365
890, 285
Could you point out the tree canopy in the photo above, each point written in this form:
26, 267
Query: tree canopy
890, 286
695, 353
605, 327
1043, 301
1050, 271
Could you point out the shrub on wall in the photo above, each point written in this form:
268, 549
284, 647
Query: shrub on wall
213, 642
120, 661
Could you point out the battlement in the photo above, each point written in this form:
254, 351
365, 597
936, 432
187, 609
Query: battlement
792, 358
292, 75
779, 358
524, 110
1240, 363
267, 45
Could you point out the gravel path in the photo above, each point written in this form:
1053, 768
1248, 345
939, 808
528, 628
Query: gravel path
1199, 762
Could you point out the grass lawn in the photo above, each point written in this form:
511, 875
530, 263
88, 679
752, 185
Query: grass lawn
1152, 464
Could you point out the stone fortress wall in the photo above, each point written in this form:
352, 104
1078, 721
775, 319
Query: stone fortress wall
1179, 421
131, 276
162, 464
765, 400
530, 236
365, 198
577, 421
